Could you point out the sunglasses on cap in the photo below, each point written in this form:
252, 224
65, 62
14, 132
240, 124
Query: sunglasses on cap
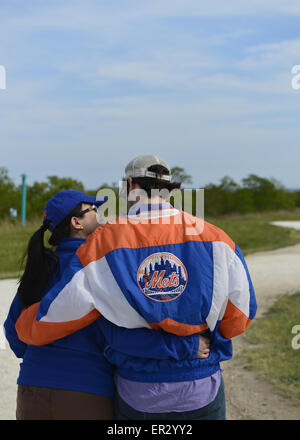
91, 208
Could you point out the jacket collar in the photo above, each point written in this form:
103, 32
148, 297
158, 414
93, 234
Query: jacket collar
70, 244
149, 207
144, 211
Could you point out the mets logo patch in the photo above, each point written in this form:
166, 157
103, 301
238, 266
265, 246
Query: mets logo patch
162, 277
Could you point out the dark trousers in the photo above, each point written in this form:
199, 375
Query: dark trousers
41, 403
216, 410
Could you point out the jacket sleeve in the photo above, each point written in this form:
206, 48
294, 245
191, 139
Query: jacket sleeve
149, 343
16, 345
75, 302
233, 302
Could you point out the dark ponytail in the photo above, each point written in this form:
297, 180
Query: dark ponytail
37, 271
41, 261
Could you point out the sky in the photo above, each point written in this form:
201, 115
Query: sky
205, 85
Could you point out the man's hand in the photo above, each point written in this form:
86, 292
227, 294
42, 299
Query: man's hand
203, 351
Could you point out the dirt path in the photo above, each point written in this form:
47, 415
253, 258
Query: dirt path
273, 273
248, 398
9, 364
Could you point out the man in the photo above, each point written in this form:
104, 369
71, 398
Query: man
148, 270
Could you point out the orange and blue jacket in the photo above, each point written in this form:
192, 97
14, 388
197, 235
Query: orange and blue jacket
160, 269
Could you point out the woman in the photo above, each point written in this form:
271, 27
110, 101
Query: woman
51, 384
70, 378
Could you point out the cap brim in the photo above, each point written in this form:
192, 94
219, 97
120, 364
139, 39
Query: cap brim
94, 200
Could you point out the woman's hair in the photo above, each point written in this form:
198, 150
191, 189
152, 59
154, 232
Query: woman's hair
41, 261
149, 183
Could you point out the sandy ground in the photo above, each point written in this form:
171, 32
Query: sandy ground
287, 224
248, 398
9, 364
273, 273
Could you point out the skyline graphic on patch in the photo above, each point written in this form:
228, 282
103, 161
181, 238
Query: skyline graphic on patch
162, 277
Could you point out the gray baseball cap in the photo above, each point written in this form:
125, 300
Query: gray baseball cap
138, 167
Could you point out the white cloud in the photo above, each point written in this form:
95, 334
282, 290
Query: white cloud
277, 56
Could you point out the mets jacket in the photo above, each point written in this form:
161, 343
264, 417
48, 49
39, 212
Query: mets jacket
162, 269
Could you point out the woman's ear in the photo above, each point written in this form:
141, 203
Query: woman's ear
75, 224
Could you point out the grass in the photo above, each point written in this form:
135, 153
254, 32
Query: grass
270, 351
14, 239
252, 232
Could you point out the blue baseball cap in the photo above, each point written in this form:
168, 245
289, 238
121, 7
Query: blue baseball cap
60, 205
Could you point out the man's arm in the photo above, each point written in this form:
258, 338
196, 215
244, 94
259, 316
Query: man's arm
233, 303
35, 332
75, 302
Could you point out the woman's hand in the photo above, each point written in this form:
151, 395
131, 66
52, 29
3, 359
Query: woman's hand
204, 344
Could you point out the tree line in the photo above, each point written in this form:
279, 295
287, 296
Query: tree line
254, 194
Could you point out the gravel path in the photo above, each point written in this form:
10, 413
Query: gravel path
248, 398
8, 361
287, 224
273, 273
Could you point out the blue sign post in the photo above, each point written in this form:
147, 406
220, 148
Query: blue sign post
23, 207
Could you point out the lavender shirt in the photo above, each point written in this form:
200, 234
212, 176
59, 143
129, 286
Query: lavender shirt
169, 396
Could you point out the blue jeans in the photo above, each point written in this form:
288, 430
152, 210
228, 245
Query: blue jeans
216, 410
